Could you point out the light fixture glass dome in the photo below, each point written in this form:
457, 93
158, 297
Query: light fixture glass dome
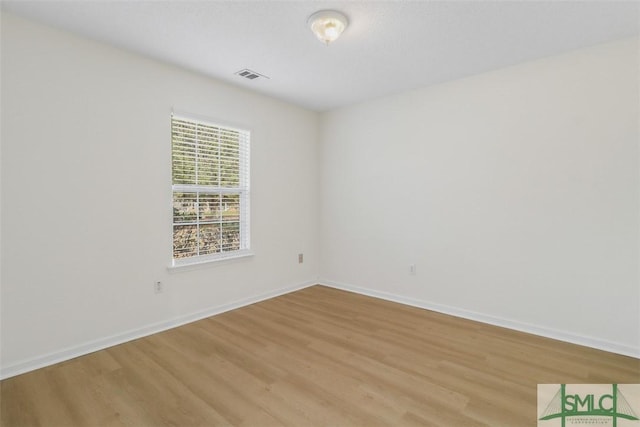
327, 25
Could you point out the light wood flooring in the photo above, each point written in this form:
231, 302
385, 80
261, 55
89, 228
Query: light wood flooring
316, 357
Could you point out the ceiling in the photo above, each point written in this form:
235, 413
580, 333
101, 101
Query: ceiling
389, 46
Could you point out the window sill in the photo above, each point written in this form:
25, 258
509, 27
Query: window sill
203, 263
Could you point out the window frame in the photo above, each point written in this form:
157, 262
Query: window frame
242, 190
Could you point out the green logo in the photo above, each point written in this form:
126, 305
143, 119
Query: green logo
586, 401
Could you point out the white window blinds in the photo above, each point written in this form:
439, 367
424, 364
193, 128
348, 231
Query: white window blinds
210, 183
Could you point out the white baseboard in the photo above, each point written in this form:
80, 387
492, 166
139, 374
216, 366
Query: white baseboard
569, 337
102, 343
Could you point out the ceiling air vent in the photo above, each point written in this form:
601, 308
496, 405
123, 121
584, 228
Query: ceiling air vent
250, 75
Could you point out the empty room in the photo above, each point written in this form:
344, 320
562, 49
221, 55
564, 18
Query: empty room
320, 213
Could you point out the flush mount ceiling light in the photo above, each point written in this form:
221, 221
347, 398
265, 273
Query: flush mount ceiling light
327, 25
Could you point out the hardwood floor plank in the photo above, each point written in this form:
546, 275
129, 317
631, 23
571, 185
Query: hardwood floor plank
315, 357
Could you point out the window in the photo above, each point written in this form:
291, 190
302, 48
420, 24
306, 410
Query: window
210, 184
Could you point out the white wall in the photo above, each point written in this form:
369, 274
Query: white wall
86, 195
514, 192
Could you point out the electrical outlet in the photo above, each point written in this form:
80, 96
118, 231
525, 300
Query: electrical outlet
158, 288
412, 269
300, 258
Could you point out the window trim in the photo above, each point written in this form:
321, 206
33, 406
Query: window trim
243, 190
193, 265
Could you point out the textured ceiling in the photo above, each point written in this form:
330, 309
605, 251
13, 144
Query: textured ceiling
389, 46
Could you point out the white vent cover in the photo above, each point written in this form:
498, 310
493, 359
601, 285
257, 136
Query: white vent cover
249, 74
